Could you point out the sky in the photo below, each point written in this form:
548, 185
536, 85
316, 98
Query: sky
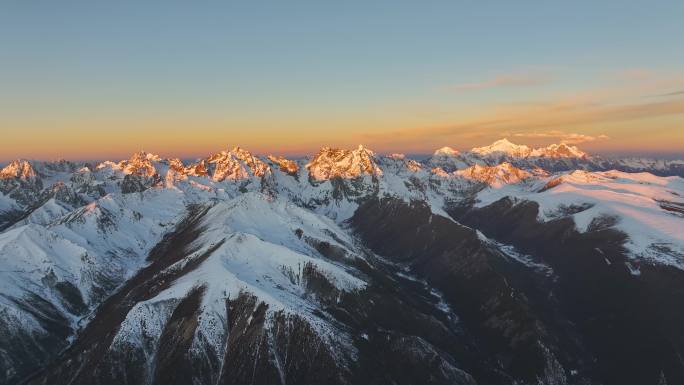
95, 79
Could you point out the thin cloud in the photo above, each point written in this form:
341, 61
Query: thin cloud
675, 93
510, 80
567, 138
538, 120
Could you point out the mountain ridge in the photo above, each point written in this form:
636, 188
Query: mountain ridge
389, 268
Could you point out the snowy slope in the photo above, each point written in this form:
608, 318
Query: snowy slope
259, 253
638, 203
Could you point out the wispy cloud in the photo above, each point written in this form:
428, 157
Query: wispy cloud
675, 93
536, 121
505, 80
563, 137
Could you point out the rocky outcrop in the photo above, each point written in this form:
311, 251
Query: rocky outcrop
332, 163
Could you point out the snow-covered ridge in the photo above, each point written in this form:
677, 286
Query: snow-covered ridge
271, 221
506, 147
559, 151
503, 146
227, 174
259, 247
648, 208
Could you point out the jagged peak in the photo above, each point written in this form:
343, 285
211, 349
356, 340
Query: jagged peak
143, 156
176, 165
399, 159
495, 176
18, 168
238, 163
334, 162
286, 165
198, 169
140, 163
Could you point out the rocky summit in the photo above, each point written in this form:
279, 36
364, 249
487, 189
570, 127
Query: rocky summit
504, 264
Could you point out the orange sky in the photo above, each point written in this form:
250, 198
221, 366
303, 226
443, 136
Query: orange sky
603, 121
94, 80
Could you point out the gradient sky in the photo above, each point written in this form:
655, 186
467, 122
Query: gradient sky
94, 79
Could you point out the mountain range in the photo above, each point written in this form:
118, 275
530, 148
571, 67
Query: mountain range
501, 265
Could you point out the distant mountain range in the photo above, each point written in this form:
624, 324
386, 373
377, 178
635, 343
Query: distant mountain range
501, 265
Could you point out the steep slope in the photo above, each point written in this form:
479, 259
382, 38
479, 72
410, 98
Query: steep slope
644, 207
52, 275
254, 290
616, 254
499, 301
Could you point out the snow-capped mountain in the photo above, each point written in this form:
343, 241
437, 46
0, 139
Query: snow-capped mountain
500, 265
503, 147
21, 169
553, 158
236, 164
559, 151
332, 163
494, 176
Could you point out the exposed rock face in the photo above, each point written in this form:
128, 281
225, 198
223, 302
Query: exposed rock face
20, 169
198, 169
287, 166
478, 282
595, 286
20, 181
332, 163
140, 164
137, 183
236, 164
495, 176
